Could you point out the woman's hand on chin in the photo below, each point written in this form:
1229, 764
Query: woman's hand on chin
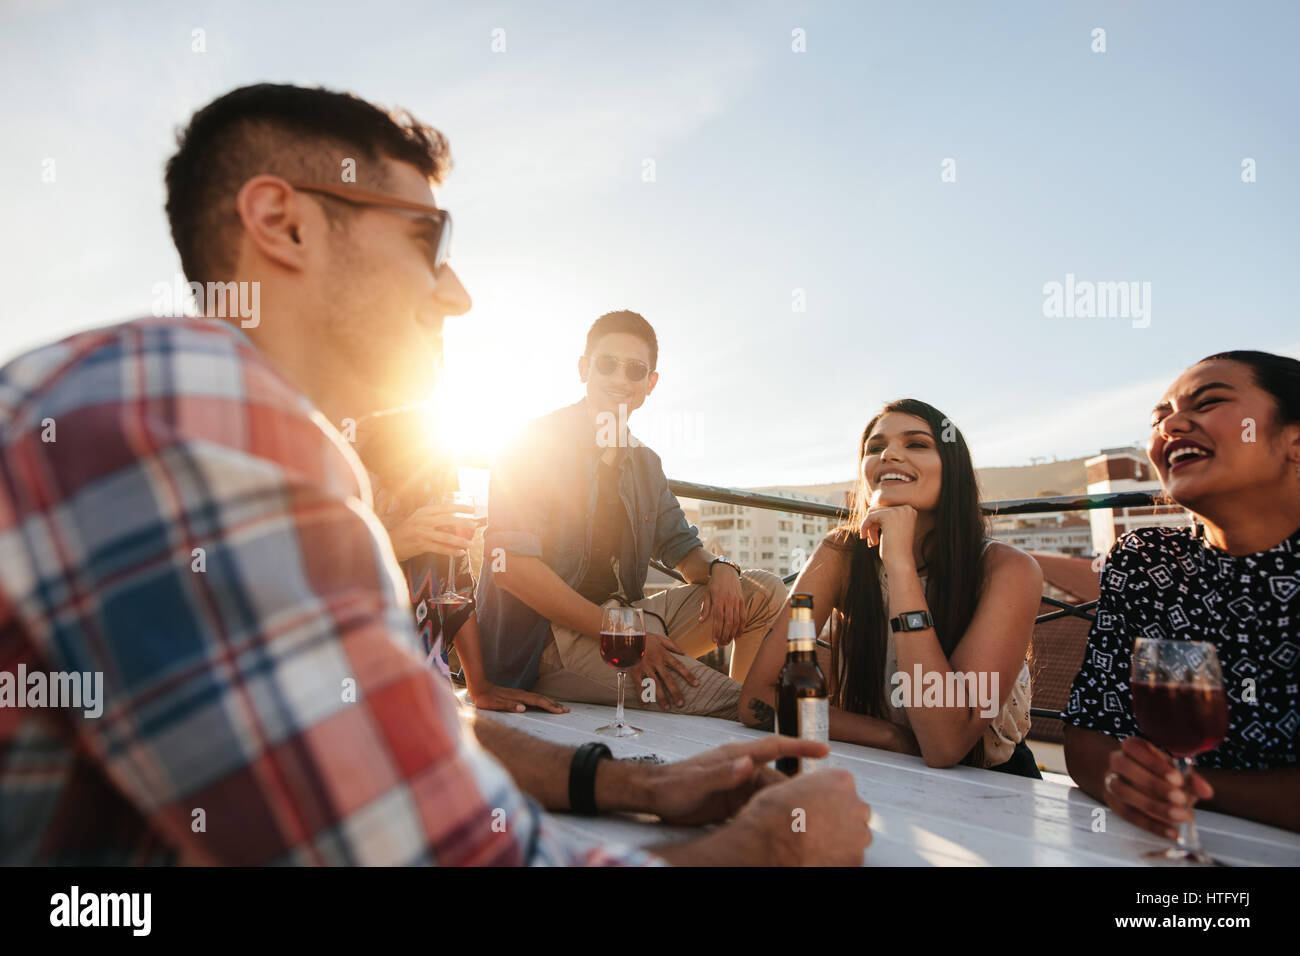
893, 528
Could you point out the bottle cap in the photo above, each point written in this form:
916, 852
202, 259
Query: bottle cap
802, 600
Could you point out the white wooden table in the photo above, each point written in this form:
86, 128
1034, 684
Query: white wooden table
919, 816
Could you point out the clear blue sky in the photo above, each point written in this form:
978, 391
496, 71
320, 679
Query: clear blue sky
774, 171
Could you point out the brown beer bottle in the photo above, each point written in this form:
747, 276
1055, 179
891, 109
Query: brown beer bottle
802, 706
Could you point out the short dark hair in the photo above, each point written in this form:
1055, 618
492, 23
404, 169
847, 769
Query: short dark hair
632, 323
290, 131
1279, 375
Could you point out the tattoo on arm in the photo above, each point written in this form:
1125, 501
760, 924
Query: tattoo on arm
764, 715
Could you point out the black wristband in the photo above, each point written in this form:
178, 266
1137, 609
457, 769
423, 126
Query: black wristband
582, 777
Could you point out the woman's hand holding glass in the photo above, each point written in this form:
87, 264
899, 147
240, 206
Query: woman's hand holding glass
1144, 786
433, 529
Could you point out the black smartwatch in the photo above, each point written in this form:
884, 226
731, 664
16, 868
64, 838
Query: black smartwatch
728, 562
582, 777
912, 621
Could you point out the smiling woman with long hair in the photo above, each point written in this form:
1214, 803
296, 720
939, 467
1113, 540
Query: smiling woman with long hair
916, 541
1225, 440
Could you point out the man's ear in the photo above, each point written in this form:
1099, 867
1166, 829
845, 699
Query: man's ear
276, 220
651, 381
584, 368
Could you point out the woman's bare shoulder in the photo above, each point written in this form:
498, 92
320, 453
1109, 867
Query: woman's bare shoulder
1005, 562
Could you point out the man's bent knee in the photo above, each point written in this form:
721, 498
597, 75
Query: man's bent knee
767, 583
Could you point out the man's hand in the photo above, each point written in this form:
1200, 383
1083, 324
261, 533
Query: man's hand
433, 529
893, 529
713, 786
724, 604
662, 657
1144, 787
494, 697
816, 819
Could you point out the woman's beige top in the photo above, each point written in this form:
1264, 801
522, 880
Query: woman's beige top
1007, 729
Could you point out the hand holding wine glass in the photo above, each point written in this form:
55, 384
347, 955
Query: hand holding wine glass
1179, 704
436, 528
463, 528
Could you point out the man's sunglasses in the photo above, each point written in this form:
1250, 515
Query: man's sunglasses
634, 370
439, 243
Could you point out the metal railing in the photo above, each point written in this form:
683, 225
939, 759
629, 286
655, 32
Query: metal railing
1012, 506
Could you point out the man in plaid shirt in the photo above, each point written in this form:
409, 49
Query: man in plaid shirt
179, 513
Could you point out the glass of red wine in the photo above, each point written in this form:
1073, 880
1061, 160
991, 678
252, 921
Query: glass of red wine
464, 509
622, 645
1179, 704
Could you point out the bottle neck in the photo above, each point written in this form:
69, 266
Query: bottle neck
802, 634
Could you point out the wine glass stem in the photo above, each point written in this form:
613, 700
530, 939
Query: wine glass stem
618, 715
1188, 839
451, 575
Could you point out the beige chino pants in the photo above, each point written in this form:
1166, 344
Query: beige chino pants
572, 668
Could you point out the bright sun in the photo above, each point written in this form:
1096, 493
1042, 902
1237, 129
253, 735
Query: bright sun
473, 419
488, 391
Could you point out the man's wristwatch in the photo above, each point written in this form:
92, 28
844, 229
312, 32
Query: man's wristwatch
912, 621
724, 560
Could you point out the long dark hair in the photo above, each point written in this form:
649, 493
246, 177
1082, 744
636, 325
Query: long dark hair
953, 553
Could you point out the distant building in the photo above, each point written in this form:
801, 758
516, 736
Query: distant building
1057, 532
1089, 533
1126, 469
776, 541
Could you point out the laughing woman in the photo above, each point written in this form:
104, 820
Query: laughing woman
917, 542
1225, 440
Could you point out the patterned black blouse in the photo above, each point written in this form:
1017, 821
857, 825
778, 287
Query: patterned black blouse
1166, 583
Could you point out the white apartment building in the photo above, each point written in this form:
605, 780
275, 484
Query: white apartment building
776, 541
1126, 469
1058, 532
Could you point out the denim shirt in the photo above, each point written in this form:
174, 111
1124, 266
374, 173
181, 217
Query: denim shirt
540, 502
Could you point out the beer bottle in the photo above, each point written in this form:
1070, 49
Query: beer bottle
802, 707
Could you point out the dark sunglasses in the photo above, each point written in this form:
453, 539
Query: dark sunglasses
439, 244
634, 370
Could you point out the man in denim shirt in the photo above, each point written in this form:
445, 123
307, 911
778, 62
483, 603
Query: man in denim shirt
578, 507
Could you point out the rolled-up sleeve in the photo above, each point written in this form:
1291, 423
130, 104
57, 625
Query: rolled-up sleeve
674, 538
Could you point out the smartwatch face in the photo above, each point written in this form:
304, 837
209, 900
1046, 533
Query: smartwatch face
915, 622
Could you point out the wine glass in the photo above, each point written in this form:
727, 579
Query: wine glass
1179, 704
464, 503
622, 645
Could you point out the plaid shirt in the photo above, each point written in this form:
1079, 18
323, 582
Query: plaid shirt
175, 515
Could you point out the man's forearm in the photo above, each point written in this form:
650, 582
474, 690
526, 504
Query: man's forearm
532, 581
695, 566
541, 769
